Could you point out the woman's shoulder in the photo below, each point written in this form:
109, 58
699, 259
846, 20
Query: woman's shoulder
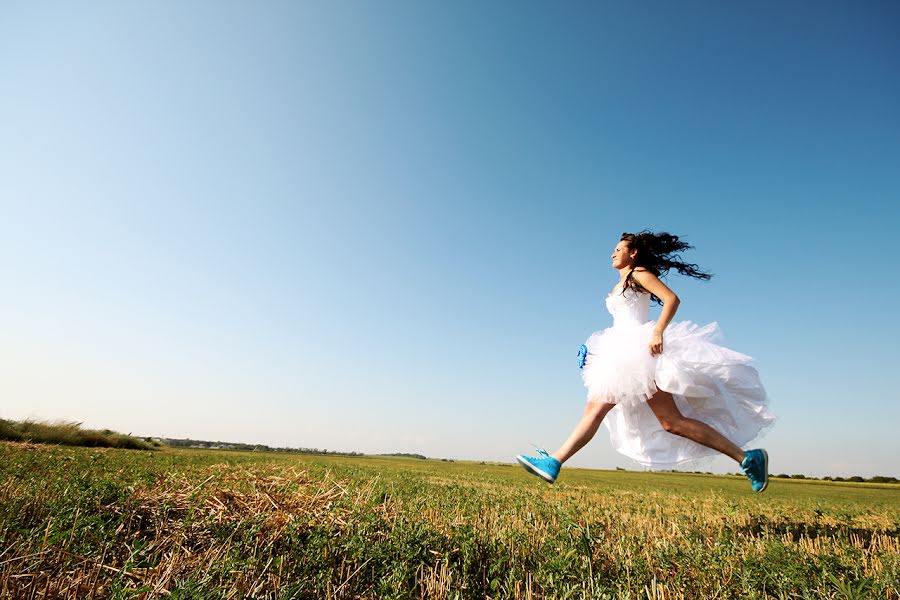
641, 274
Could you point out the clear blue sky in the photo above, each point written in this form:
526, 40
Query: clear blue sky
386, 226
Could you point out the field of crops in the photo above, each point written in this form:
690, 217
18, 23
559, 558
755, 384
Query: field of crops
110, 523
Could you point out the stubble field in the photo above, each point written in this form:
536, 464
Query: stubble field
104, 523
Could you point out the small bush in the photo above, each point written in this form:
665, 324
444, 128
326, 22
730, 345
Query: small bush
8, 431
69, 433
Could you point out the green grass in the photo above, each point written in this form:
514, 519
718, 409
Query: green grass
78, 522
69, 433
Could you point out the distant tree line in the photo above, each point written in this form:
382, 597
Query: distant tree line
189, 443
407, 455
855, 478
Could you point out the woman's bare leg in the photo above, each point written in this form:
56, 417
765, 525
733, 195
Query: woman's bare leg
584, 431
663, 406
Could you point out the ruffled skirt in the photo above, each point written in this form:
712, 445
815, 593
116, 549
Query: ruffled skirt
709, 382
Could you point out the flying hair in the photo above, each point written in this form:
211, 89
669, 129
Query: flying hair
657, 252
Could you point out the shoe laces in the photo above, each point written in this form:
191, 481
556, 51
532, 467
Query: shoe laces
749, 469
541, 452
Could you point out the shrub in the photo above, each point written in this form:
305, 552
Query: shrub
69, 433
8, 431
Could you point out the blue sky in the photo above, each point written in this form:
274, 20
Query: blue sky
386, 226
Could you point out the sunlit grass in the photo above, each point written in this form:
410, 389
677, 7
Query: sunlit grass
79, 522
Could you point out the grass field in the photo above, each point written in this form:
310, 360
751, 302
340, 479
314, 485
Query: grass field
111, 523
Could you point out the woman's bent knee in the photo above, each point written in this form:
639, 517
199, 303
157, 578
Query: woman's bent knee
672, 425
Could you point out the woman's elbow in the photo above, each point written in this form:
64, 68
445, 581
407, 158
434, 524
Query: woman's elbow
673, 300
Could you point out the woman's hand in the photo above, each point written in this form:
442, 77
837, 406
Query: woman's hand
656, 343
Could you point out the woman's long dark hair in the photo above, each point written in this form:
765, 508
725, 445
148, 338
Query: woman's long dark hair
656, 252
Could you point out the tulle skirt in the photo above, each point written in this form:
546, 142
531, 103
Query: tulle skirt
709, 382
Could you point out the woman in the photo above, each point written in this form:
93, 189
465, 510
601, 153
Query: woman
679, 399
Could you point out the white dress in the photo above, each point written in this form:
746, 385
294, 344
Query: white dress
710, 383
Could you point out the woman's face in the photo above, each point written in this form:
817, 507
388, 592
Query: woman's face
623, 256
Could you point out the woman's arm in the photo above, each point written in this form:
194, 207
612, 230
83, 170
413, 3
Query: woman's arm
652, 284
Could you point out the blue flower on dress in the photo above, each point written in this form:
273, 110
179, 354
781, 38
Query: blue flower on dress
582, 356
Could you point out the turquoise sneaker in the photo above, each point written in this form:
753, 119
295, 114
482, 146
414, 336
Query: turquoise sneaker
544, 466
756, 466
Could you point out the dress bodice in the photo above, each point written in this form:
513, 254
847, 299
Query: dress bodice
630, 308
